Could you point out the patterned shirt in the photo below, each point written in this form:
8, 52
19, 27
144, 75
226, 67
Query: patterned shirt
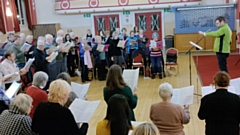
3, 97
14, 122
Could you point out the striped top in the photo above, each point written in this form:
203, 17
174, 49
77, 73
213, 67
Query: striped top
158, 52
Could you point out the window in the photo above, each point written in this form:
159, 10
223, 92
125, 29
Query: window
20, 5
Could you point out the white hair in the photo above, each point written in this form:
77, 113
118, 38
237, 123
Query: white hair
40, 79
114, 34
59, 38
40, 43
60, 33
23, 102
48, 36
21, 34
71, 34
41, 38
165, 91
29, 37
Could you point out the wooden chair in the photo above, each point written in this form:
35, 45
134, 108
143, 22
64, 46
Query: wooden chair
171, 58
138, 62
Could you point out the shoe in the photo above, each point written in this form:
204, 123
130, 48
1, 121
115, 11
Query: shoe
153, 76
164, 74
160, 76
83, 81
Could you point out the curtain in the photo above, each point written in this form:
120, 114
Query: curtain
28, 14
2, 26
15, 13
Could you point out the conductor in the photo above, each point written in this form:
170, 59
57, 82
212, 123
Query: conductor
222, 42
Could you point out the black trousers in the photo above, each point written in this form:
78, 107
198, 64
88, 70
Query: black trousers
222, 61
84, 72
101, 70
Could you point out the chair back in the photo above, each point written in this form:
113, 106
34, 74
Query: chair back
172, 55
138, 59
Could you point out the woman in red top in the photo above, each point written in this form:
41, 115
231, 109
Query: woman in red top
35, 91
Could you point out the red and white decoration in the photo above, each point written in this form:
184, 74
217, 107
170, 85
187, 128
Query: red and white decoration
65, 4
123, 2
93, 3
153, 1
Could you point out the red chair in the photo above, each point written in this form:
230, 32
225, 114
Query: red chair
171, 58
138, 62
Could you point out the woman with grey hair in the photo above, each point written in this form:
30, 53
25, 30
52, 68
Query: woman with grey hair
16, 120
168, 117
114, 51
35, 91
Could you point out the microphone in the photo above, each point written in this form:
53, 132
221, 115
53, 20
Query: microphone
201, 39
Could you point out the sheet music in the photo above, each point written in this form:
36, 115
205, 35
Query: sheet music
89, 39
80, 89
12, 75
29, 63
52, 49
130, 132
83, 110
210, 89
132, 42
136, 123
106, 47
153, 44
100, 47
13, 89
130, 77
25, 47
236, 84
52, 56
193, 44
183, 96
121, 43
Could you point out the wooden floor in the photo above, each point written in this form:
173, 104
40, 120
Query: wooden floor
148, 95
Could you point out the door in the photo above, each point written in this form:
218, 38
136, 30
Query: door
106, 22
150, 22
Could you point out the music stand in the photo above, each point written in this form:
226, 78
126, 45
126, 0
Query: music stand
190, 62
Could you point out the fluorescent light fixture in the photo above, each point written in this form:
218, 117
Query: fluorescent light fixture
210, 7
101, 9
146, 7
115, 9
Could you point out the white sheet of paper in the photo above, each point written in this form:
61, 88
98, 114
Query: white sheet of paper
130, 132
52, 49
130, 77
100, 47
236, 84
52, 56
121, 43
12, 75
25, 47
83, 110
210, 89
183, 96
153, 44
13, 89
195, 45
80, 89
29, 63
136, 123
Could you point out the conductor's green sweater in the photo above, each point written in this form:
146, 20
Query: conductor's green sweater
223, 39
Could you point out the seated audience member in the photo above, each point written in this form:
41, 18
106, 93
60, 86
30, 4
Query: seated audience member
40, 63
85, 59
20, 59
116, 85
22, 38
117, 121
8, 66
52, 65
35, 91
146, 129
16, 120
29, 41
156, 58
10, 42
168, 117
114, 51
4, 100
99, 59
72, 95
220, 109
52, 118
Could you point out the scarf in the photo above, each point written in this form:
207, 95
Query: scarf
87, 59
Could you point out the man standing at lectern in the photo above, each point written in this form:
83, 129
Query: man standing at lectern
222, 42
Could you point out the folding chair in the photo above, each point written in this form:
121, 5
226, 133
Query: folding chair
171, 58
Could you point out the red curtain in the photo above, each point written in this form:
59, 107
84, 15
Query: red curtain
15, 19
28, 14
2, 26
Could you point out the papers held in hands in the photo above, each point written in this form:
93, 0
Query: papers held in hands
52, 56
83, 110
12, 75
153, 44
131, 77
210, 89
121, 43
100, 47
236, 84
25, 47
13, 89
80, 89
52, 49
66, 47
29, 63
195, 45
183, 96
